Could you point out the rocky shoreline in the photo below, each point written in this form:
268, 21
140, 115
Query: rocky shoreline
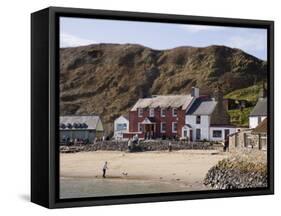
241, 170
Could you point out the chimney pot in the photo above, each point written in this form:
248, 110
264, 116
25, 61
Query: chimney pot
195, 92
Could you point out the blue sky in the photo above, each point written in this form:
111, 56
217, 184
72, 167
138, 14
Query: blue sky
81, 31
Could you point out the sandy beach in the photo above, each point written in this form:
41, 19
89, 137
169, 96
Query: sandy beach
182, 170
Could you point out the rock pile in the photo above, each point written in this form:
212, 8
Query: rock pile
239, 171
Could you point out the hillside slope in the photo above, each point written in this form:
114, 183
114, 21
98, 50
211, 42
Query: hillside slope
107, 79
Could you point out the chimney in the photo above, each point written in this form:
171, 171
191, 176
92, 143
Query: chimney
263, 92
195, 92
220, 115
219, 95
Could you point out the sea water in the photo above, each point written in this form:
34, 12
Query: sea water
90, 187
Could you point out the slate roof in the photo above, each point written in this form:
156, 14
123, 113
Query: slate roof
90, 122
202, 106
164, 101
262, 127
126, 116
261, 108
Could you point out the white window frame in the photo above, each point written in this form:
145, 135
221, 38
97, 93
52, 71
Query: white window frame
198, 116
118, 124
151, 112
161, 127
185, 131
173, 112
198, 129
163, 112
217, 130
173, 127
140, 112
139, 127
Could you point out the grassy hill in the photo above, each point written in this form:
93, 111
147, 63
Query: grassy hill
251, 94
240, 118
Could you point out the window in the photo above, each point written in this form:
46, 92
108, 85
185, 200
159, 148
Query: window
175, 127
198, 134
198, 119
217, 133
140, 112
175, 112
151, 112
163, 112
140, 127
163, 127
121, 126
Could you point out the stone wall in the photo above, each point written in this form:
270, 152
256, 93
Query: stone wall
247, 139
142, 146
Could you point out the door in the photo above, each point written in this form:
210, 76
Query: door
226, 133
185, 133
190, 135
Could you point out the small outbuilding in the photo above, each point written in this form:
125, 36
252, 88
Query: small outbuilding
121, 126
255, 138
259, 113
80, 128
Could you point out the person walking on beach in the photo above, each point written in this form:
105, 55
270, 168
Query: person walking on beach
104, 169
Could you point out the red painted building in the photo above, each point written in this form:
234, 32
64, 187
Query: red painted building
159, 116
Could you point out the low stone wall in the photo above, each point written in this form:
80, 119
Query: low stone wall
142, 146
239, 171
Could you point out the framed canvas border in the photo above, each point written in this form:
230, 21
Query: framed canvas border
45, 70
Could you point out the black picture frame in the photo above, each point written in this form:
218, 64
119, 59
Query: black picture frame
45, 106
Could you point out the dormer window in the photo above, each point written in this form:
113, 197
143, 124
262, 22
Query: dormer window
140, 112
151, 112
175, 112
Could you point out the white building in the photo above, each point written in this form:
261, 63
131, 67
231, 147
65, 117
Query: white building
121, 125
259, 113
207, 119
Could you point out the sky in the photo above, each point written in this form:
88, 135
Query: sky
83, 31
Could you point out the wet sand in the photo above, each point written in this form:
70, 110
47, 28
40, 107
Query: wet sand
130, 173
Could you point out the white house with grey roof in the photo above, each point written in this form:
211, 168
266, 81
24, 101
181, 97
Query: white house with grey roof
83, 128
259, 113
207, 119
